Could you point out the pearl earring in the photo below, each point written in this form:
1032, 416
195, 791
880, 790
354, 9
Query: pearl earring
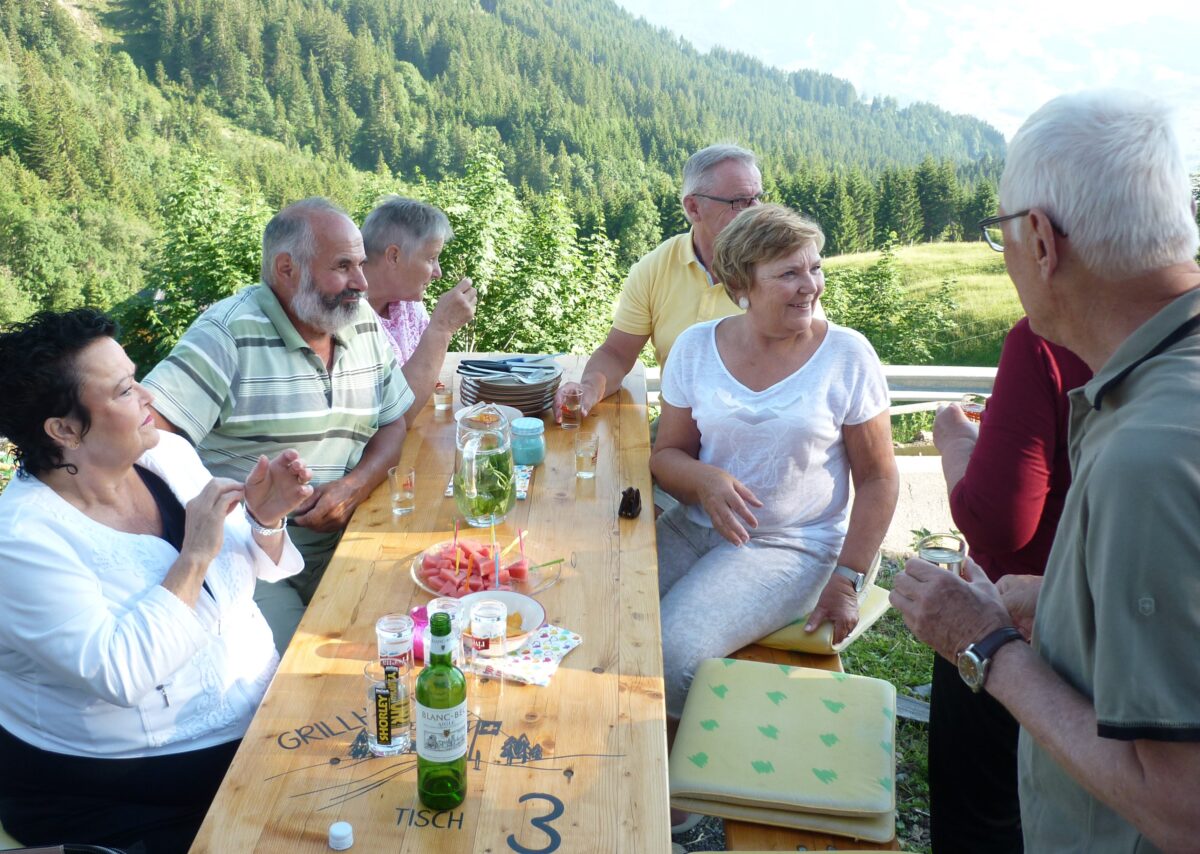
743, 303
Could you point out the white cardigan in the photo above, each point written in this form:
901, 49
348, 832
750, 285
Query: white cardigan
96, 657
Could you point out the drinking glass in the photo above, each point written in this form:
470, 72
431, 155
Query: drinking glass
946, 550
572, 408
972, 406
389, 709
403, 481
587, 448
394, 635
443, 393
389, 694
489, 628
453, 607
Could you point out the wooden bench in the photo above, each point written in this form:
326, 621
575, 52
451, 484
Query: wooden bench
744, 836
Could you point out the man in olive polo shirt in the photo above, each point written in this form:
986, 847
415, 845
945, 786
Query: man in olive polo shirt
1099, 238
670, 288
298, 361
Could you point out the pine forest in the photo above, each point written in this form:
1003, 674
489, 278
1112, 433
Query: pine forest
143, 145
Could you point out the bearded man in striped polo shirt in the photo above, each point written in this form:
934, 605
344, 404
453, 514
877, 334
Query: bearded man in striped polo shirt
298, 361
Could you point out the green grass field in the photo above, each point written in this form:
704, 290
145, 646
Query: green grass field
988, 305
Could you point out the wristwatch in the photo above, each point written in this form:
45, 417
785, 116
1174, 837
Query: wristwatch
858, 579
974, 660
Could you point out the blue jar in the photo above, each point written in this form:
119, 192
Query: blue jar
528, 441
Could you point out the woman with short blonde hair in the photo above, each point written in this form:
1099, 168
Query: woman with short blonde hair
766, 417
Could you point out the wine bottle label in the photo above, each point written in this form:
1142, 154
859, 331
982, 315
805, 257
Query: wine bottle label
442, 645
442, 733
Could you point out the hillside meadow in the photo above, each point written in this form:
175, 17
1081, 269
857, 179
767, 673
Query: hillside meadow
987, 304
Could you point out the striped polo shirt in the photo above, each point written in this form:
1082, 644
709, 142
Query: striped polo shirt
243, 382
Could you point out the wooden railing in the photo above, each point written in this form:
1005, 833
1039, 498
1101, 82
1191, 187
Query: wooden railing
912, 388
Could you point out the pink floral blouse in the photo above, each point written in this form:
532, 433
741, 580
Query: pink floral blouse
405, 322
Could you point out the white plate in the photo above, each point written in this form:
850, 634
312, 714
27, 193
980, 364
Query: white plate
533, 615
507, 411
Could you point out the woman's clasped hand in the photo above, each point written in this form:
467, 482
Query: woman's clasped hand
276, 487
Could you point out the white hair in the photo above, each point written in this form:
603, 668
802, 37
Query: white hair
1107, 168
697, 172
406, 223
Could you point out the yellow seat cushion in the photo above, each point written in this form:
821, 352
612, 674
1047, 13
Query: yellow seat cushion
788, 746
6, 841
873, 605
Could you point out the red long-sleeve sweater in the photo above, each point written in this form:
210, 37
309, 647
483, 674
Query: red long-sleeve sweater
1008, 503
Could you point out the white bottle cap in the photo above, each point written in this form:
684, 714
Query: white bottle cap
341, 836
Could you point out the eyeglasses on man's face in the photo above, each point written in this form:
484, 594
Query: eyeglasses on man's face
995, 236
739, 204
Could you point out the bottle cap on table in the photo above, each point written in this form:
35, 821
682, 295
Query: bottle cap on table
341, 836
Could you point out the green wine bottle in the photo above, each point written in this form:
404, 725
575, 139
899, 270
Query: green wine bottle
441, 723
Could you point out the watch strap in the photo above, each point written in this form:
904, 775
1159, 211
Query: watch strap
858, 579
259, 528
986, 648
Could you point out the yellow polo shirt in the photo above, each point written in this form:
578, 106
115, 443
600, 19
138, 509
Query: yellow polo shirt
667, 291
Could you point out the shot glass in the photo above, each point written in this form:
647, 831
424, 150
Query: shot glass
403, 481
972, 406
489, 627
572, 408
443, 394
394, 636
389, 710
453, 607
946, 550
587, 448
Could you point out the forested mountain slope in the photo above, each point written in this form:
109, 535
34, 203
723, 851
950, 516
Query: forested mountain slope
140, 136
570, 89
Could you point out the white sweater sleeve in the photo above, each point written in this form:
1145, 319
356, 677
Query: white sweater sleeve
55, 612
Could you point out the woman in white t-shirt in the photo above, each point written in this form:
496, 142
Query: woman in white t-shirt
765, 419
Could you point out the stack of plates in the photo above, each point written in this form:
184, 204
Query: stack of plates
532, 398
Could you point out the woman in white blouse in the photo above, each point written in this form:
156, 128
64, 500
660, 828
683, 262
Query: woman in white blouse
766, 416
132, 655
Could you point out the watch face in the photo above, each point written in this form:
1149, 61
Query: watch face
970, 670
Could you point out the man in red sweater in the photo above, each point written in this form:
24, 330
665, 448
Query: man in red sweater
1008, 478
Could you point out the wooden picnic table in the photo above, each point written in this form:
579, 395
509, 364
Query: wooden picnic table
578, 766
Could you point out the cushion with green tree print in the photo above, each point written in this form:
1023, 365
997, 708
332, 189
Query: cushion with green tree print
788, 746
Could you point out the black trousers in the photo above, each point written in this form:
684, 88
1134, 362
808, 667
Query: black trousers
153, 805
974, 808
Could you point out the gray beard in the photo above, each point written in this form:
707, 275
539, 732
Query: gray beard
327, 314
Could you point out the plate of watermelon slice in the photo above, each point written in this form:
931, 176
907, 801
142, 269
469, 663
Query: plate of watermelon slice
458, 567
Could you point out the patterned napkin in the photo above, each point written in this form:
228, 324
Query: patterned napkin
536, 659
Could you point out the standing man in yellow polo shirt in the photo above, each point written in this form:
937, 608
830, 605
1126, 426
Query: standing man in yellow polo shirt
670, 288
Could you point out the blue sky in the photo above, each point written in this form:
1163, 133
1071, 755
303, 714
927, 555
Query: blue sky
998, 61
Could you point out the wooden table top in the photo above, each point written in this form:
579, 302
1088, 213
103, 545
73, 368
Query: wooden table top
578, 766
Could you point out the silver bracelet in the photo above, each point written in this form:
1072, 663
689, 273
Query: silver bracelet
259, 528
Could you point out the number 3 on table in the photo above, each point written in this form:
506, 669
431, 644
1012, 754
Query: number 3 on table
542, 823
